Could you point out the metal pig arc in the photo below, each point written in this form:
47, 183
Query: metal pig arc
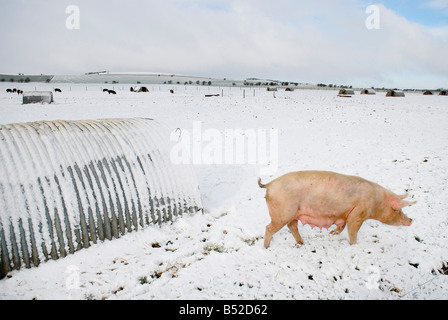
67, 184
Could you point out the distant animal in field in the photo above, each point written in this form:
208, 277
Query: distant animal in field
9, 90
19, 91
14, 90
105, 90
143, 89
57, 90
171, 91
112, 91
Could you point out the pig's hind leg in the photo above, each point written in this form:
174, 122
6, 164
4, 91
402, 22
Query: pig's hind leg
273, 227
282, 212
270, 230
295, 231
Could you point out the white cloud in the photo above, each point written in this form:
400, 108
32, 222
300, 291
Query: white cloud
438, 4
441, 5
315, 41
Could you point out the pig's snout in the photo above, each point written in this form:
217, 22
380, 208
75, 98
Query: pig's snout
402, 221
405, 221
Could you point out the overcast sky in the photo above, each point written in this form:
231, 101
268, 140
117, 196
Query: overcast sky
297, 40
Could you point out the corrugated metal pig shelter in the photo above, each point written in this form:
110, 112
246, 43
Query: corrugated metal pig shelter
67, 184
37, 97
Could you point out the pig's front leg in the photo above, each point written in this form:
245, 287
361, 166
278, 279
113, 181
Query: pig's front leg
354, 222
338, 230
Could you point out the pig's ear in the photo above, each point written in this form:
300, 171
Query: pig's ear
397, 202
403, 196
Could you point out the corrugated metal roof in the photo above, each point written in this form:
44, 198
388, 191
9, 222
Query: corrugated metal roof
64, 184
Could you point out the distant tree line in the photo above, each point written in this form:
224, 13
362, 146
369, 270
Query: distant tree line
26, 80
323, 85
271, 83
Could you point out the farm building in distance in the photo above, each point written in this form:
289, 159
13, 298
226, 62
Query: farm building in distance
368, 91
38, 97
394, 93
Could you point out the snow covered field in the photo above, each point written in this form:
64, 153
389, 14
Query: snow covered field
400, 143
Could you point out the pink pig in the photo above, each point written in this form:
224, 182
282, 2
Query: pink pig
322, 198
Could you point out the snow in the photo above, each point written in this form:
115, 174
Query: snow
399, 143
